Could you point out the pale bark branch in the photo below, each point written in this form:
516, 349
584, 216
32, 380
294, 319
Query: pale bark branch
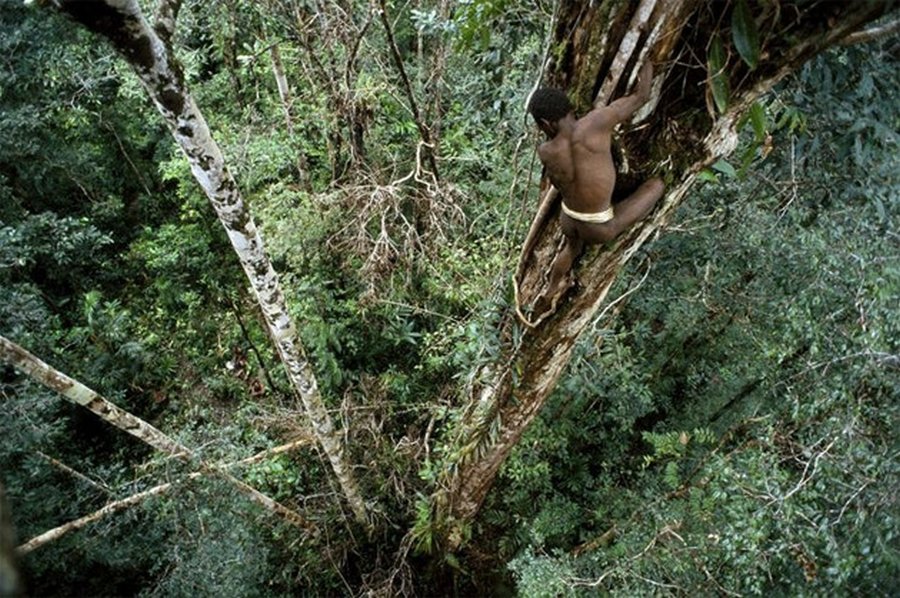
80, 394
277, 450
110, 508
284, 90
135, 499
872, 34
74, 473
287, 100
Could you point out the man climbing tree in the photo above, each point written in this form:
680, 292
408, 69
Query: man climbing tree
690, 122
579, 163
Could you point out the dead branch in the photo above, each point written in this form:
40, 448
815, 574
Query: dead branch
74, 473
110, 508
284, 448
135, 499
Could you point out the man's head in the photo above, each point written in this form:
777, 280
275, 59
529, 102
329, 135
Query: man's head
548, 106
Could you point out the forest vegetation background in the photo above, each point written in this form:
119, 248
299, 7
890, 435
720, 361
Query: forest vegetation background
733, 429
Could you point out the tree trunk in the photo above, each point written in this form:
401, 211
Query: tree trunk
147, 50
10, 584
684, 127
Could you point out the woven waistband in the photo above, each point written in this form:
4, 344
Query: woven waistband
595, 217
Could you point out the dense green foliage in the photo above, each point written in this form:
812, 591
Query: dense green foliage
734, 431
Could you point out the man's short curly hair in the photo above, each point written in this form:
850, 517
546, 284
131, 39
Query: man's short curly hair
549, 104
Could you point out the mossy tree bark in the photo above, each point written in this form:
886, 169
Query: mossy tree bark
147, 49
690, 122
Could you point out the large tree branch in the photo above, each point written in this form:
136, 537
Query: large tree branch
123, 24
114, 507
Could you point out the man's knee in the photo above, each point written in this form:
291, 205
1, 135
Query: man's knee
655, 187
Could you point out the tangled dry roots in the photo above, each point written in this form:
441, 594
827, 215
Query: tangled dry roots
389, 228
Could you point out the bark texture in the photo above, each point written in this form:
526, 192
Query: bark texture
147, 50
599, 47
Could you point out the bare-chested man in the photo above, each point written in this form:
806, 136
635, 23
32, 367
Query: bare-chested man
579, 163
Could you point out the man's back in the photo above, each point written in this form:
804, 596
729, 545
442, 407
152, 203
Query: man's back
580, 165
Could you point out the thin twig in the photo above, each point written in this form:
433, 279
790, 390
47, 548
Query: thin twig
77, 474
407, 86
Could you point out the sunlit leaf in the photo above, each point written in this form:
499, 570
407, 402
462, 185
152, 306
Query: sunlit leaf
707, 175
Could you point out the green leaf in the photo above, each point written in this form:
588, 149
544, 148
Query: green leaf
707, 175
744, 33
758, 120
879, 207
452, 561
718, 78
725, 168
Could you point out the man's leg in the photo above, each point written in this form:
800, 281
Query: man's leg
563, 262
636, 206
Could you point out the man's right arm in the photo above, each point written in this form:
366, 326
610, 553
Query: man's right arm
622, 109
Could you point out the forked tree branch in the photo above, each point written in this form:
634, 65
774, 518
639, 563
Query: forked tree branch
407, 87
